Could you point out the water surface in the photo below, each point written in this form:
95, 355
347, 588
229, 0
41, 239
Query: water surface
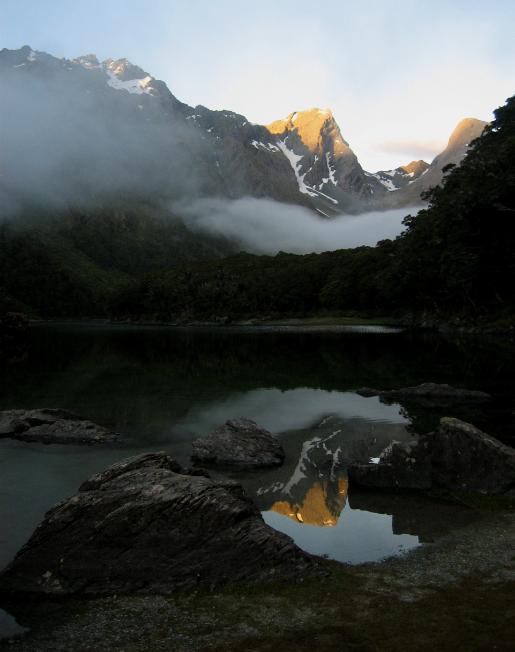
162, 388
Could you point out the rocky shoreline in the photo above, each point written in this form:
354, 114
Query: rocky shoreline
146, 525
439, 591
157, 548
52, 426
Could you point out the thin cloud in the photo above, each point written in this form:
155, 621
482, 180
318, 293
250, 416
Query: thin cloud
411, 149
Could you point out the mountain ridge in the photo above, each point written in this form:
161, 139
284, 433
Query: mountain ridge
301, 159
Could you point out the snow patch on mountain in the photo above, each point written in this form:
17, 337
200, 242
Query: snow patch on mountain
331, 170
268, 147
294, 160
135, 86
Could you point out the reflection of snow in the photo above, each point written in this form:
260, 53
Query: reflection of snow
300, 469
291, 410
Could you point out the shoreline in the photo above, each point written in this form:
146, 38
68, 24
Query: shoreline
438, 590
286, 323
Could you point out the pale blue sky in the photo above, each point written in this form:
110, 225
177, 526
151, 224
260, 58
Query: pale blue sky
398, 75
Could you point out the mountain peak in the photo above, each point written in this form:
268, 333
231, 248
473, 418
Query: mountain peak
415, 168
314, 127
124, 69
465, 131
88, 61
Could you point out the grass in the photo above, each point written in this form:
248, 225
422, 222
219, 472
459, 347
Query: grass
342, 613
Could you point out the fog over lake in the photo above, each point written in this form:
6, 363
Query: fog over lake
266, 226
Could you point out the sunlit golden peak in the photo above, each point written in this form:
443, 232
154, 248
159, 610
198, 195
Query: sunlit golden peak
316, 128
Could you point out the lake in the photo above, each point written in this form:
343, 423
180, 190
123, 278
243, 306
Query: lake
163, 387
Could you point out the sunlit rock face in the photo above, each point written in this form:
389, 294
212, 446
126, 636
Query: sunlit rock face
325, 166
428, 176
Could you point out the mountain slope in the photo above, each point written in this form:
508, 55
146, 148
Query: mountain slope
428, 176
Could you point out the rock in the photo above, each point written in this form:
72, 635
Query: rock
458, 456
428, 392
144, 526
52, 427
401, 465
241, 443
367, 392
464, 457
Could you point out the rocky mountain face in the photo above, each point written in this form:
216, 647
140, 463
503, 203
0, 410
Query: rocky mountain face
84, 131
406, 184
326, 168
400, 177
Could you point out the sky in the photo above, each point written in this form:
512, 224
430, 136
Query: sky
397, 75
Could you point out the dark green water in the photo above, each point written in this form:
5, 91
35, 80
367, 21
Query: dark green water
161, 388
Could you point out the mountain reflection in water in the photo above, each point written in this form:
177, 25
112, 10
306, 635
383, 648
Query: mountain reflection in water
163, 388
308, 498
321, 505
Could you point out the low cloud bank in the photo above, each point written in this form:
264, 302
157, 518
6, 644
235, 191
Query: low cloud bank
267, 227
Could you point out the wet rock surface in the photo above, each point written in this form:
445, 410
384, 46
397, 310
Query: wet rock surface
428, 394
238, 443
50, 426
144, 526
457, 456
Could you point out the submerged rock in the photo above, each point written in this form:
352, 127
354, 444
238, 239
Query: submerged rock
52, 427
144, 526
458, 456
241, 443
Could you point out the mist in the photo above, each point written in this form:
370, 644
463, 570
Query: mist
66, 138
266, 226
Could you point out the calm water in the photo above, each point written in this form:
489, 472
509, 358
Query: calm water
162, 388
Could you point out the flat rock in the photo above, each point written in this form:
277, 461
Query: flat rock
145, 526
52, 427
457, 456
427, 392
241, 443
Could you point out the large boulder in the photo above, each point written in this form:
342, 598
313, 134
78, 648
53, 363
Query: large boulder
144, 525
240, 443
464, 457
403, 465
458, 456
428, 393
52, 427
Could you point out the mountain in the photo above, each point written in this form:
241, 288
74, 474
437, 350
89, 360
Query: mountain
82, 132
325, 166
406, 184
402, 176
